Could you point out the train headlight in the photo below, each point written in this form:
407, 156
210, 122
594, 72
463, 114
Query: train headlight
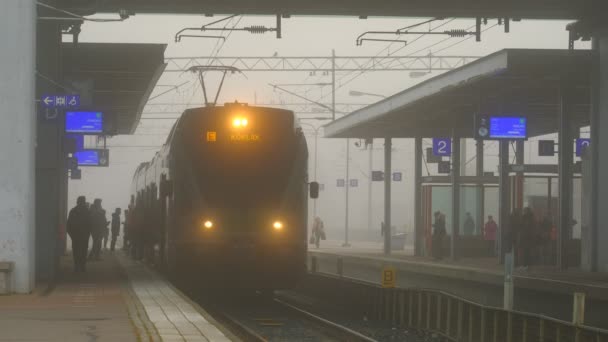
277, 225
208, 224
240, 122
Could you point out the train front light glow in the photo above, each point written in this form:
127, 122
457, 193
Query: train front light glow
240, 122
277, 225
208, 224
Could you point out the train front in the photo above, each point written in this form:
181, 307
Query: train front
248, 196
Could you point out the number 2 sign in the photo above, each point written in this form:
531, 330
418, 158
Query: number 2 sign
442, 147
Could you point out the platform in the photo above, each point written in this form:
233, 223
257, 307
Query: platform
116, 300
540, 289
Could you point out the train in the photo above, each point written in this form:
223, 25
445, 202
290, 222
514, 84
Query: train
224, 203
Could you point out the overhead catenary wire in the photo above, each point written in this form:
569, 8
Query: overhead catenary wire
75, 15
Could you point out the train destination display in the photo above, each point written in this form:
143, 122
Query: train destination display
84, 122
501, 127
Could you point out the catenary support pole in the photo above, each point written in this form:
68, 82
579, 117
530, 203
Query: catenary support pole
387, 195
17, 140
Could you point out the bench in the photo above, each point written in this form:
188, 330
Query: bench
6, 268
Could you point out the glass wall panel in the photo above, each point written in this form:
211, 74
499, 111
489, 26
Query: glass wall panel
442, 201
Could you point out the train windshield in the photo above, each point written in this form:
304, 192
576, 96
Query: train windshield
243, 158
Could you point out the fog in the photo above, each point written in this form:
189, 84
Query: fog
302, 36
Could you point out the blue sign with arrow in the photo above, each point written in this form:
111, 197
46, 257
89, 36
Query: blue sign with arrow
60, 101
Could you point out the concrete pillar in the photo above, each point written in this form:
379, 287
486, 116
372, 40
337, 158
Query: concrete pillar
418, 225
599, 150
565, 160
387, 195
17, 139
50, 159
455, 236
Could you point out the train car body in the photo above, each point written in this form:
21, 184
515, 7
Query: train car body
224, 202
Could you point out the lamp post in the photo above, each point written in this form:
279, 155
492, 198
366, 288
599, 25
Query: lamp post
370, 145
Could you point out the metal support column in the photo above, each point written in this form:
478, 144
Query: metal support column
314, 201
387, 195
599, 150
480, 185
455, 236
346, 187
519, 176
17, 140
418, 228
565, 160
370, 148
503, 199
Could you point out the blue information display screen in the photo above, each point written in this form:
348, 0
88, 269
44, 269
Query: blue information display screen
87, 157
84, 122
508, 127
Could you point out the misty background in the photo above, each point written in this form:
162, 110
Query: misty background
302, 36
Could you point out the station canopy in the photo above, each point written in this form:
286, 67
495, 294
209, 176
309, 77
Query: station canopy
523, 82
116, 79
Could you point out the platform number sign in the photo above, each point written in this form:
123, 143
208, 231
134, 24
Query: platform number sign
442, 147
340, 183
397, 176
581, 145
388, 277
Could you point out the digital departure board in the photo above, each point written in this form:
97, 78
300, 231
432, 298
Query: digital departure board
87, 157
98, 157
84, 122
488, 127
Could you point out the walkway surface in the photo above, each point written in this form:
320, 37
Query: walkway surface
489, 267
116, 300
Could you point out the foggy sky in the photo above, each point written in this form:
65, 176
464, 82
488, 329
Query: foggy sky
307, 36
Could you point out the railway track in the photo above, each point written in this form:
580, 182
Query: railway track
259, 318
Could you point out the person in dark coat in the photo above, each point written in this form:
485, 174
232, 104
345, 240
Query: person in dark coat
439, 233
79, 229
525, 238
469, 225
115, 228
99, 222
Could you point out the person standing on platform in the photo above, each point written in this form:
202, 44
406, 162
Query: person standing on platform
79, 229
526, 239
469, 225
489, 233
115, 228
318, 231
98, 226
106, 232
439, 233
509, 233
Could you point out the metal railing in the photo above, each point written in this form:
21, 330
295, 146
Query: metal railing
455, 318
